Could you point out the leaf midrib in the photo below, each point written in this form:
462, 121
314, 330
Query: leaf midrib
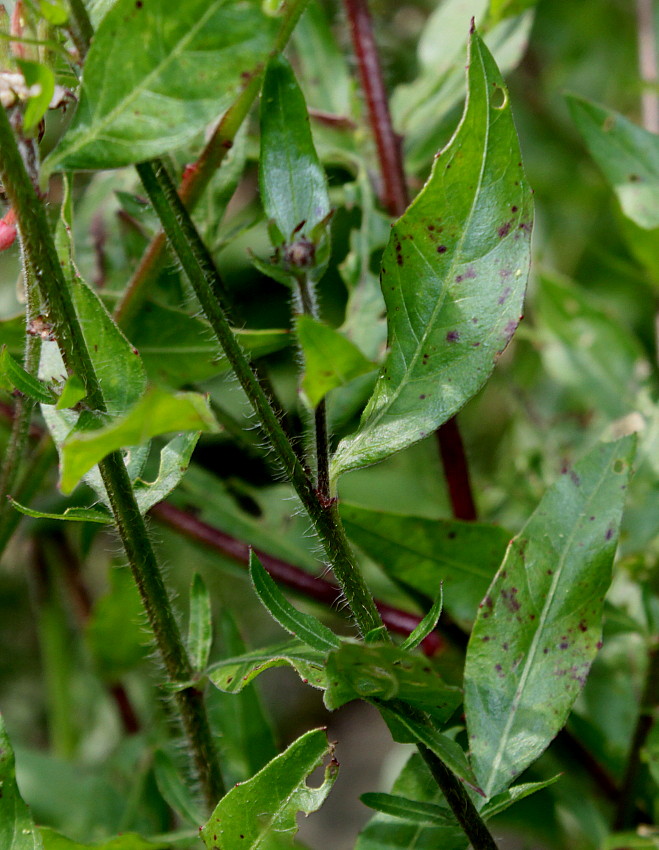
529, 663
137, 91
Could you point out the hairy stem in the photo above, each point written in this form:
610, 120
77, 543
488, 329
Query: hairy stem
39, 249
200, 269
291, 576
456, 796
197, 178
80, 27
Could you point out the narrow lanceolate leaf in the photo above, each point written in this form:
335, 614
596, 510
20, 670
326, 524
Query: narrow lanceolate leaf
427, 624
157, 73
428, 814
232, 674
386, 672
200, 628
330, 359
12, 372
503, 801
453, 276
420, 553
628, 156
17, 830
158, 412
262, 812
301, 625
540, 624
291, 179
71, 514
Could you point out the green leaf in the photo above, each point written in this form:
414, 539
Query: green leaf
292, 181
330, 359
421, 553
232, 674
428, 814
25, 383
586, 350
393, 832
427, 624
72, 514
628, 156
539, 626
17, 830
453, 276
303, 626
265, 807
174, 790
127, 841
41, 81
156, 74
385, 672
200, 628
158, 412
174, 461
72, 392
56, 12
411, 730
502, 801
632, 841
178, 349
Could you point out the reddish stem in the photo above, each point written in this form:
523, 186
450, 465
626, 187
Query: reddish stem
287, 574
393, 192
395, 199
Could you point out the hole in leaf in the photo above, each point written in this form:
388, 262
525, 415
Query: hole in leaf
499, 98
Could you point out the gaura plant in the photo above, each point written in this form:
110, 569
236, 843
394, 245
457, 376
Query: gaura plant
369, 322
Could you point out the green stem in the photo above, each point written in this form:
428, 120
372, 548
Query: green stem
81, 27
198, 177
39, 250
200, 269
459, 801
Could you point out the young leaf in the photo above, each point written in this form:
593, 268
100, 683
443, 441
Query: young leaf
255, 812
72, 392
200, 628
427, 624
421, 552
187, 62
158, 412
41, 82
502, 801
330, 359
386, 672
453, 276
17, 830
428, 814
628, 156
232, 674
291, 179
303, 626
539, 626
416, 786
25, 383
72, 514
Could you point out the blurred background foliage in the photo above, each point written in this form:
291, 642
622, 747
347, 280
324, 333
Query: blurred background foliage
76, 665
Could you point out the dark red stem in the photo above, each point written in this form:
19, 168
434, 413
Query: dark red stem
394, 198
393, 191
456, 470
287, 574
